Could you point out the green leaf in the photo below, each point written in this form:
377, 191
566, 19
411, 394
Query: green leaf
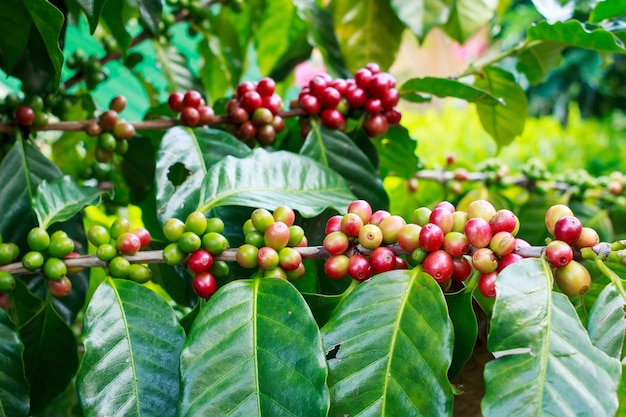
270, 179
367, 31
21, 172
607, 322
544, 357
421, 16
174, 67
465, 325
578, 34
334, 149
396, 152
132, 347
183, 159
254, 350
50, 356
608, 9
61, 199
321, 34
391, 342
14, 399
24, 305
445, 87
467, 16
537, 59
15, 23
279, 30
150, 12
92, 9
113, 18
506, 120
322, 306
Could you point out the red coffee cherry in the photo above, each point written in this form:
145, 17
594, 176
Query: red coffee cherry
568, 229
382, 259
359, 267
487, 284
204, 284
200, 261
439, 265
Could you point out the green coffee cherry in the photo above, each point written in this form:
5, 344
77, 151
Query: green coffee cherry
33, 260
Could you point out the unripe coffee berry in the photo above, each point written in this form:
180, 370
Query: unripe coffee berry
54, 268
38, 239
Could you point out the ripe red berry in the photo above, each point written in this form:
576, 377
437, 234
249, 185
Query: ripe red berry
144, 236
207, 115
267, 257
504, 221
393, 116
554, 213
390, 99
108, 120
175, 102
378, 216
190, 116
478, 232
310, 104
24, 115
439, 265
431, 237
359, 267
373, 105
273, 103
356, 98
118, 103
507, 260
568, 229
244, 87
330, 97
200, 261
317, 84
456, 244
332, 118
487, 284
362, 208
446, 205
336, 267
442, 217
351, 223
363, 77
276, 235
60, 287
462, 269
250, 101
333, 224
193, 98
559, 253
204, 284
266, 87
379, 85
128, 243
382, 259
375, 125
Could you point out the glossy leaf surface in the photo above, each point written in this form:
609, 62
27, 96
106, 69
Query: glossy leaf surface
14, 397
607, 322
254, 350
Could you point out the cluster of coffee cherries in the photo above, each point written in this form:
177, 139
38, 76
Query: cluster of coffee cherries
115, 244
194, 243
46, 256
113, 133
192, 108
572, 278
253, 111
270, 242
8, 253
88, 65
371, 91
27, 112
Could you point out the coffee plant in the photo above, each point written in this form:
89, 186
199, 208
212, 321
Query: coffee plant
197, 223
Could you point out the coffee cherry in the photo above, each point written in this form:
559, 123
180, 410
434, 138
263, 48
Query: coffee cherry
408, 236
439, 265
266, 87
336, 267
487, 284
332, 118
193, 99
276, 272
417, 256
173, 254
206, 114
175, 102
329, 98
144, 236
93, 129
214, 224
462, 269
455, 244
60, 247
289, 259
573, 279
38, 239
196, 222
421, 216
356, 98
220, 269
336, 242
351, 223
246, 255
250, 101
507, 260
54, 268
261, 219
296, 236
173, 229
378, 216
361, 208
363, 77
128, 243
215, 243
139, 273
431, 237
118, 103
189, 242
267, 257
373, 106
7, 282
61, 287
559, 253
359, 267
120, 225
554, 213
442, 217
390, 226
33, 260
310, 105
484, 260
244, 87
481, 209
204, 284
504, 221
108, 120
75, 269
284, 214
262, 116
393, 116
382, 259
98, 235
106, 252
8, 253
502, 243
568, 229
370, 236
118, 267
190, 116
123, 131
478, 232
296, 274
375, 125
588, 238
24, 115
276, 235
200, 261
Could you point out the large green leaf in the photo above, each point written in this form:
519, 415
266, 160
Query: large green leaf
50, 355
21, 172
270, 179
391, 346
445, 87
545, 363
61, 199
336, 150
254, 350
114, 18
537, 59
92, 9
465, 324
321, 34
421, 16
396, 153
505, 120
576, 33
367, 31
24, 305
608, 9
13, 384
15, 23
182, 161
150, 12
132, 347
607, 322
467, 16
